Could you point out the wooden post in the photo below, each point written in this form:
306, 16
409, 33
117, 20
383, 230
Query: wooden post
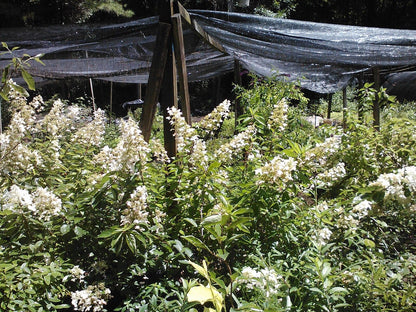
328, 115
92, 88
154, 84
111, 98
181, 67
344, 107
376, 104
168, 92
237, 81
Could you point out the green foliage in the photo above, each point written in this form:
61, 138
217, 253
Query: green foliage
276, 216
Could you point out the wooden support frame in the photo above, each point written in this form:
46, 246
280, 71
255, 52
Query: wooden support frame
330, 98
154, 85
187, 17
169, 61
179, 49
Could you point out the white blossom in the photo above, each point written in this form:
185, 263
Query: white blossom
212, 122
93, 132
236, 146
278, 171
136, 211
322, 236
266, 280
278, 117
93, 299
330, 176
77, 274
132, 149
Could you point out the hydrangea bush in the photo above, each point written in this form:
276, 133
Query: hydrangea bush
279, 216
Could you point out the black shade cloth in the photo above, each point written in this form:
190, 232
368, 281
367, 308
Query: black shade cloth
321, 57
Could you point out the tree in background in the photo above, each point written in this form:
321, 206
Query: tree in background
47, 12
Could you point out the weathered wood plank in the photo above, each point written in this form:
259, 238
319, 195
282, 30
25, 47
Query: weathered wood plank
156, 74
198, 28
181, 67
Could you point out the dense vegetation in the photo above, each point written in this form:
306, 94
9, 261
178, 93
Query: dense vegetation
274, 215
380, 13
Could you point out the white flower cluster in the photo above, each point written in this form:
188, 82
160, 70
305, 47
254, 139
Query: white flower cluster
42, 202
94, 298
93, 132
212, 122
77, 274
361, 209
322, 151
17, 99
159, 151
266, 280
322, 236
236, 146
184, 133
328, 177
136, 211
350, 218
396, 184
15, 154
278, 117
130, 150
56, 121
278, 172
187, 139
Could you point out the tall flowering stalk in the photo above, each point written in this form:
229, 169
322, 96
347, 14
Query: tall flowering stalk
92, 134
277, 172
240, 143
15, 154
278, 118
130, 151
213, 121
187, 140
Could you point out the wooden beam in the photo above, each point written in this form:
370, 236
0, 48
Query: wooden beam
344, 107
198, 28
376, 104
156, 75
328, 115
179, 48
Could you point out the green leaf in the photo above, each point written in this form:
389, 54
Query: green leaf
201, 270
131, 243
47, 279
338, 290
65, 228
214, 219
369, 243
28, 79
195, 241
79, 232
19, 89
